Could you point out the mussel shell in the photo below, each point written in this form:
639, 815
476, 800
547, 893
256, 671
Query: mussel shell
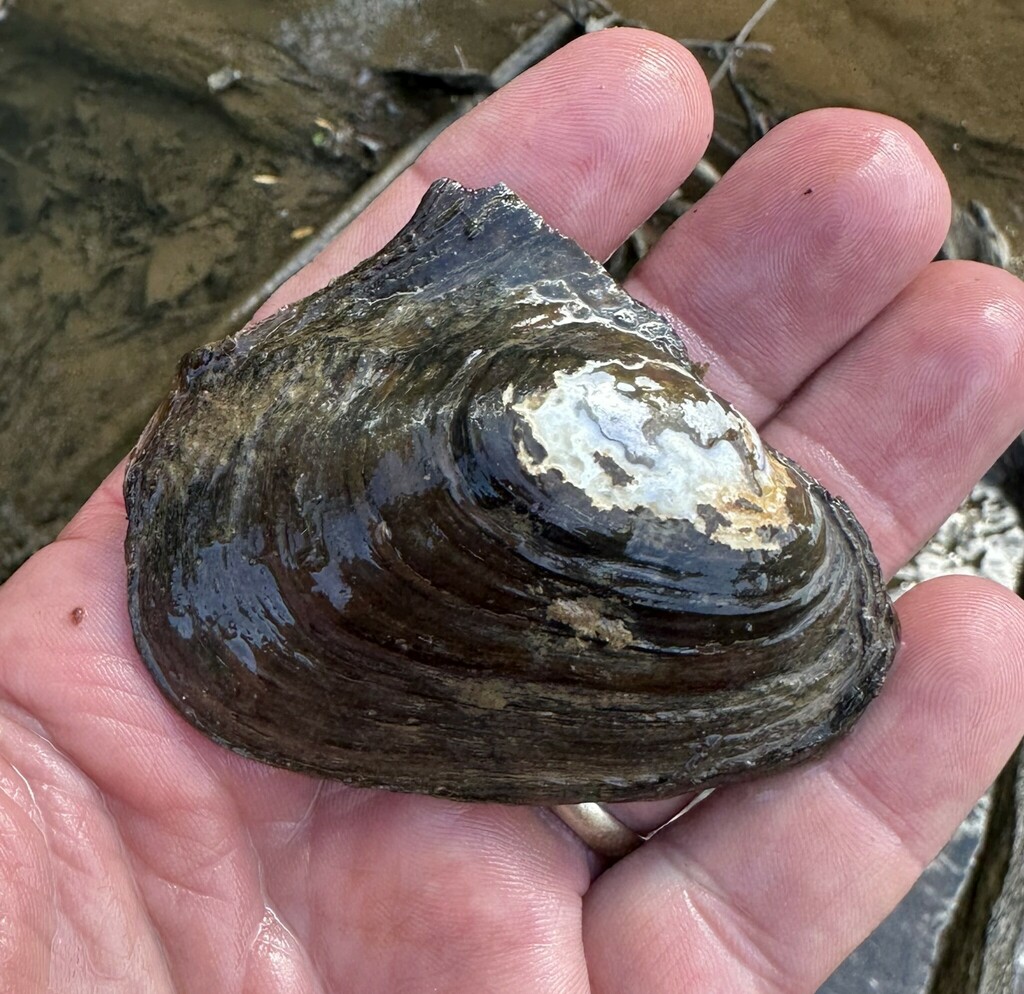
466, 522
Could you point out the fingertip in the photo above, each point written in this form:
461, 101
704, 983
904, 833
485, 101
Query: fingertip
959, 668
645, 69
654, 70
869, 135
666, 112
968, 337
992, 298
594, 138
965, 623
876, 167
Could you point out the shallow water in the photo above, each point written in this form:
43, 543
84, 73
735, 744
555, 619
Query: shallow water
134, 215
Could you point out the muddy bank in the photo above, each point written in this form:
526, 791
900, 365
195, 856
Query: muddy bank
158, 162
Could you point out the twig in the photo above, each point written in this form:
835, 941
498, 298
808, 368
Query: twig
758, 124
594, 15
731, 150
720, 47
706, 173
739, 41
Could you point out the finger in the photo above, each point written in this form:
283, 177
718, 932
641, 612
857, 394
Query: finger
804, 240
904, 420
768, 885
594, 138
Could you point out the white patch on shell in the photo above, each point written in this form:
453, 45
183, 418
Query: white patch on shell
626, 444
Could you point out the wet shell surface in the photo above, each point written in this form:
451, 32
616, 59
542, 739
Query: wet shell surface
466, 522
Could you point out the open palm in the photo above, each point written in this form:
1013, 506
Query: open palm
137, 856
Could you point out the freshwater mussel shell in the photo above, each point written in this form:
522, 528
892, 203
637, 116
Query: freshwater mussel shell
415, 532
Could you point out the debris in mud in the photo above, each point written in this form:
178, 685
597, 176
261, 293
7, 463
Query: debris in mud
222, 79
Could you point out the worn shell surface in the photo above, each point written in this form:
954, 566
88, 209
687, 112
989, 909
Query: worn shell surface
466, 522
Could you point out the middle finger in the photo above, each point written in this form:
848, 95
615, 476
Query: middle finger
806, 239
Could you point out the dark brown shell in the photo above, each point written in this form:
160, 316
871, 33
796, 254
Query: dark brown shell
467, 523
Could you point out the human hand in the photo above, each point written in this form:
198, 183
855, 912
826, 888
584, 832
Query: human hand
135, 855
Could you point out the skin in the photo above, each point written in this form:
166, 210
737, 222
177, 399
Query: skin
135, 855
